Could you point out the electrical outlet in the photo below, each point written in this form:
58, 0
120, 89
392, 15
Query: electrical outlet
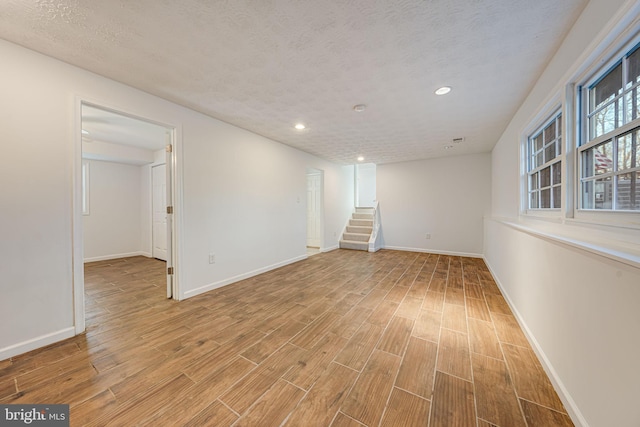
212, 258
428, 236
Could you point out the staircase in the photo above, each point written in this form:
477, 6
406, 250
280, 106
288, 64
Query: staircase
358, 232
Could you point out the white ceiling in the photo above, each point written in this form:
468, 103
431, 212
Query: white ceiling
265, 65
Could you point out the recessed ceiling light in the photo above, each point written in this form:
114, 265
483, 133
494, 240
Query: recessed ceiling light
85, 132
360, 158
300, 126
443, 90
359, 108
448, 147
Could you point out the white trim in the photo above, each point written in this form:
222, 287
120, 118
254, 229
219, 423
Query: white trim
178, 224
116, 256
77, 219
85, 172
563, 393
77, 227
225, 282
35, 343
622, 253
544, 116
330, 248
433, 251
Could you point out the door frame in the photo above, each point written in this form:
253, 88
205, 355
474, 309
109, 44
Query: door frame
152, 180
175, 171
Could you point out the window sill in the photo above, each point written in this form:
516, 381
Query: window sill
608, 245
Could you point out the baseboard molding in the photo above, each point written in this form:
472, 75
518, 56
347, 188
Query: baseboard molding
116, 256
225, 282
35, 343
330, 248
572, 409
432, 251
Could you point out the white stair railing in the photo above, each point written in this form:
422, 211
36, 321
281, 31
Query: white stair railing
374, 243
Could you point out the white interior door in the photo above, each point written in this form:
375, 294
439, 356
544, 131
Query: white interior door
159, 203
314, 194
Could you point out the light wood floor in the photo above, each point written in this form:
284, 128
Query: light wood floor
344, 338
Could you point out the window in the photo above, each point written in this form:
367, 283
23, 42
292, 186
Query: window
85, 187
544, 165
609, 151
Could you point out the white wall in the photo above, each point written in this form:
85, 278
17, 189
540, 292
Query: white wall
113, 229
445, 197
248, 196
580, 309
240, 194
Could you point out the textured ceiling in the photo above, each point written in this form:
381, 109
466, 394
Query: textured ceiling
265, 65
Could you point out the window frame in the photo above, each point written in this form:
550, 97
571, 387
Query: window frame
559, 159
584, 141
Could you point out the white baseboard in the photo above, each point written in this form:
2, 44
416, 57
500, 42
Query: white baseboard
225, 282
116, 256
570, 405
433, 251
32, 344
330, 248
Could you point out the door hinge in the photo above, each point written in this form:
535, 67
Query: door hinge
169, 148
170, 271
169, 209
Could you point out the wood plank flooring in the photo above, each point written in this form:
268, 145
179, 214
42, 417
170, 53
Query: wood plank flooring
344, 338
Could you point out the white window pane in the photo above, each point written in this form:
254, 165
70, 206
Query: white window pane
603, 193
631, 104
543, 149
597, 160
538, 143
633, 69
604, 121
550, 152
545, 177
557, 173
550, 132
627, 191
588, 195
628, 151
606, 88
557, 199
545, 198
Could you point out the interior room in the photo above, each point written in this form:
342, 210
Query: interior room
432, 204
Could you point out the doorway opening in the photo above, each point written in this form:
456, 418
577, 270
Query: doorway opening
315, 211
126, 192
365, 196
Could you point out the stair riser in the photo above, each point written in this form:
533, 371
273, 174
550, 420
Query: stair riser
354, 245
362, 216
361, 230
361, 222
356, 236
365, 210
